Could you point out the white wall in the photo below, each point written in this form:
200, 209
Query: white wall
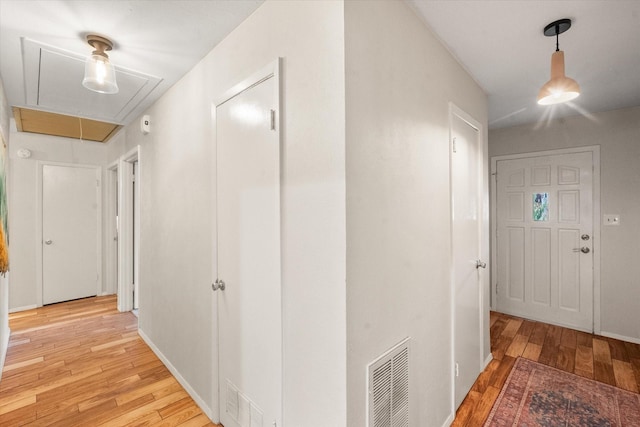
177, 207
22, 203
618, 135
399, 82
4, 281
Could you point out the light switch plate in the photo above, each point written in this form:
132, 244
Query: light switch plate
611, 219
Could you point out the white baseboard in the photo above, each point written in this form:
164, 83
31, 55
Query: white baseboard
25, 308
449, 420
4, 346
199, 401
620, 337
487, 361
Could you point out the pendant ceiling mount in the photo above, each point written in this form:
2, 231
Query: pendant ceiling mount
100, 44
557, 27
559, 88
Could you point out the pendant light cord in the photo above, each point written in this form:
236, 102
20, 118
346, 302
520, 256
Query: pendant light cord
80, 121
557, 38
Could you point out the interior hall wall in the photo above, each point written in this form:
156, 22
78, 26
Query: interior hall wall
399, 83
177, 166
22, 202
618, 135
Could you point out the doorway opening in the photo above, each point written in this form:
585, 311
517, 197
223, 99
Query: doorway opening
112, 229
128, 236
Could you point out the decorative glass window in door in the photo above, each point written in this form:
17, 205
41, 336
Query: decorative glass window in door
541, 206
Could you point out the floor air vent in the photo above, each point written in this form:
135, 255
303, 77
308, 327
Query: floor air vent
388, 388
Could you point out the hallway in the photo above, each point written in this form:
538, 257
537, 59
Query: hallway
83, 363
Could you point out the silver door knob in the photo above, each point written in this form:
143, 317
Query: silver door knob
48, 242
584, 250
218, 284
480, 264
585, 237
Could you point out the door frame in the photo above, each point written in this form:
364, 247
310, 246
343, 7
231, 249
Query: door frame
454, 110
111, 230
271, 70
40, 164
595, 150
128, 229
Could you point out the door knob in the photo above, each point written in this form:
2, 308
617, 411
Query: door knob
584, 250
48, 242
218, 284
480, 264
585, 237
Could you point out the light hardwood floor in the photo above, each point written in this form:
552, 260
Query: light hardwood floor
603, 359
82, 363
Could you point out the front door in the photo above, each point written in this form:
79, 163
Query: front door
545, 238
248, 250
70, 228
466, 188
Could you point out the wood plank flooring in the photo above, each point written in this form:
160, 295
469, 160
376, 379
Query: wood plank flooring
82, 363
591, 356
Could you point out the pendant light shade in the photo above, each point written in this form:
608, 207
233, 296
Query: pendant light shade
99, 73
559, 88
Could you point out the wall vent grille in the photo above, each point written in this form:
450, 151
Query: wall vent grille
388, 388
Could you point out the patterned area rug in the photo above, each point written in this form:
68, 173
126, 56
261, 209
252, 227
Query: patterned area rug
538, 395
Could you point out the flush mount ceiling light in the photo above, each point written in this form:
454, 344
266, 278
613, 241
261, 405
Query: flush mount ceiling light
560, 88
99, 74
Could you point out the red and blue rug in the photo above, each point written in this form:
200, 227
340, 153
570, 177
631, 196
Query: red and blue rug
538, 395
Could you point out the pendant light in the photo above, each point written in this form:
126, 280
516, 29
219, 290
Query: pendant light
99, 74
560, 88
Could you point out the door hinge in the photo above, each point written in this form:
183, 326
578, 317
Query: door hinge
457, 370
97, 183
453, 144
497, 288
273, 119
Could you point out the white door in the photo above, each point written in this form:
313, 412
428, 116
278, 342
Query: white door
70, 230
466, 186
248, 250
545, 238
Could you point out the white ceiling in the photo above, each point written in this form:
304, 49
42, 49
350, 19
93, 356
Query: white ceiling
502, 45
156, 43
499, 42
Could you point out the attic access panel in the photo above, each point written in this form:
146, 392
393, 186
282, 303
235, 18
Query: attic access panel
53, 82
46, 123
